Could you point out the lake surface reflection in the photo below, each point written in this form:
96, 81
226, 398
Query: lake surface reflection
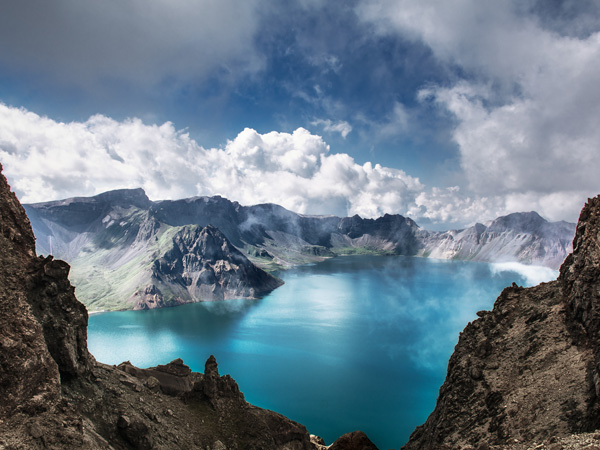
358, 342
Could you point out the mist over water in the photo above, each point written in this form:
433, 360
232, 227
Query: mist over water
358, 342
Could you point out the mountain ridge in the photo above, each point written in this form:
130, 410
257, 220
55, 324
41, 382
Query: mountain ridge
100, 234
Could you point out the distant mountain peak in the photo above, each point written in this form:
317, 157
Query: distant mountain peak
125, 197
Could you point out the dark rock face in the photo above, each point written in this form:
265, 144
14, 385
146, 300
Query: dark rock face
55, 395
29, 378
202, 265
527, 370
580, 279
63, 318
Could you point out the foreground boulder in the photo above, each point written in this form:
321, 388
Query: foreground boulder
55, 395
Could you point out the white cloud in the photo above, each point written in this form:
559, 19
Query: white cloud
527, 107
342, 127
533, 275
44, 159
397, 122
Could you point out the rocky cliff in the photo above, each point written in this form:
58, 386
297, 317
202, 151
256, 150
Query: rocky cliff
55, 395
527, 371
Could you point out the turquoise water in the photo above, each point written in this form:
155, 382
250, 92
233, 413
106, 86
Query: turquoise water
358, 342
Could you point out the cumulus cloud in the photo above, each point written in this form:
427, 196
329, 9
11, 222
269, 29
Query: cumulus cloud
44, 159
526, 105
144, 43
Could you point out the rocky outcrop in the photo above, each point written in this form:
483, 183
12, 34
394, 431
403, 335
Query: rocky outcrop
55, 395
528, 370
580, 281
29, 377
202, 265
357, 440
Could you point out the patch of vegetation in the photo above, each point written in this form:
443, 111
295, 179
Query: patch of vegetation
347, 251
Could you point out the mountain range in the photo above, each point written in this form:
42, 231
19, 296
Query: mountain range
127, 251
525, 375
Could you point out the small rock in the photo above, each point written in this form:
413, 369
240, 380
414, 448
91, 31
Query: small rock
169, 413
152, 383
218, 445
476, 373
317, 439
357, 440
123, 422
35, 430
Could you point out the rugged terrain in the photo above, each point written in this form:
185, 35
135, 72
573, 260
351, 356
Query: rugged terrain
55, 395
529, 370
118, 242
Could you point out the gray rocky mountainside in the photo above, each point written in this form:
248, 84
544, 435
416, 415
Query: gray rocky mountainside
522, 237
529, 370
54, 395
118, 242
202, 264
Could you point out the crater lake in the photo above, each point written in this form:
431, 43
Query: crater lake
357, 342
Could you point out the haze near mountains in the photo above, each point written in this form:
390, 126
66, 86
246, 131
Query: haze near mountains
129, 252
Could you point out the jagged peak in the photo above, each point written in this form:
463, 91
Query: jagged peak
586, 244
520, 222
14, 224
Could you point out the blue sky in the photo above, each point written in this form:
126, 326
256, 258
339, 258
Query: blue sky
449, 112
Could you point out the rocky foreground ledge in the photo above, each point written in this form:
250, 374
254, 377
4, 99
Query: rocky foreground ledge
54, 395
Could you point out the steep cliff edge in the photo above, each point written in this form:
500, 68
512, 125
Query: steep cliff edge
55, 395
528, 370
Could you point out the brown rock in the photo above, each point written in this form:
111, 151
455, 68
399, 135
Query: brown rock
357, 440
29, 377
